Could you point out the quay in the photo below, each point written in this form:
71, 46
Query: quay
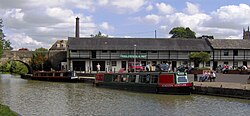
226, 85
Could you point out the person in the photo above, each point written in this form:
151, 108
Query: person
213, 76
98, 66
147, 67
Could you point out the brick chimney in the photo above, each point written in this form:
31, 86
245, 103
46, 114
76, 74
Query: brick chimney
77, 29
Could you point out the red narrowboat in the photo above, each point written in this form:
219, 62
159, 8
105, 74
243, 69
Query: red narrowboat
152, 82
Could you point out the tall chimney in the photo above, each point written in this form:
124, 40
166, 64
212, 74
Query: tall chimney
77, 29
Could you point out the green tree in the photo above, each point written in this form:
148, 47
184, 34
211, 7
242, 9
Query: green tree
39, 59
198, 57
1, 37
4, 44
181, 32
99, 35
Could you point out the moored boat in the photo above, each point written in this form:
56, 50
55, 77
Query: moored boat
53, 75
152, 82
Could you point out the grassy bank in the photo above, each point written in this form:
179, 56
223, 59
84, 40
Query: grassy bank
5, 111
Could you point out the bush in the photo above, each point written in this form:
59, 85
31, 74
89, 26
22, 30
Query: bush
5, 111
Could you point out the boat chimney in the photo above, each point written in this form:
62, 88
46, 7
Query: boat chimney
77, 29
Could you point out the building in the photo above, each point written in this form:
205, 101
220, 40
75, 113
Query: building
233, 52
246, 33
115, 53
58, 55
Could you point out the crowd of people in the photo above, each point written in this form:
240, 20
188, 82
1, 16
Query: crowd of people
208, 75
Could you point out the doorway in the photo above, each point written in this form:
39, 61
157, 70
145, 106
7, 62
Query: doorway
102, 64
215, 64
124, 64
79, 65
174, 65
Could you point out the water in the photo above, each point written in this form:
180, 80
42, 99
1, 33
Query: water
41, 98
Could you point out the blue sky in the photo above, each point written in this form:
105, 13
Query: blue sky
35, 23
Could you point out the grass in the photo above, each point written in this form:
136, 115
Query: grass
5, 111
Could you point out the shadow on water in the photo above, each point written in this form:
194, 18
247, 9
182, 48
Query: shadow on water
29, 97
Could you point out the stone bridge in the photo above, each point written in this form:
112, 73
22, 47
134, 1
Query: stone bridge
55, 58
21, 56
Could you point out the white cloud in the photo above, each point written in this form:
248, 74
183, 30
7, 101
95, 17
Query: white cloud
106, 26
20, 40
192, 8
231, 16
150, 7
103, 2
165, 8
155, 19
127, 6
14, 13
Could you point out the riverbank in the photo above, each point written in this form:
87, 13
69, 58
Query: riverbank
224, 89
6, 111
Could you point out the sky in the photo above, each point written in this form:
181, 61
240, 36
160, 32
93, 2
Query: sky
39, 23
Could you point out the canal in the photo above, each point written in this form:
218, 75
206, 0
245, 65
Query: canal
41, 98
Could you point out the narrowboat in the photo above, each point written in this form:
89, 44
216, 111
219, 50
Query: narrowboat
53, 75
152, 82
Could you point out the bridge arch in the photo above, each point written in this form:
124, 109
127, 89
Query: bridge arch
26, 64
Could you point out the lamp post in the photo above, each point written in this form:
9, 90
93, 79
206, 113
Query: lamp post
134, 57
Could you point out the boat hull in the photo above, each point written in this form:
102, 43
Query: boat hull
147, 88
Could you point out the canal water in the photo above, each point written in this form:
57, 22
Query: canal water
41, 98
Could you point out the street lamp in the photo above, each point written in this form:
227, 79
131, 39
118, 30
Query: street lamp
134, 57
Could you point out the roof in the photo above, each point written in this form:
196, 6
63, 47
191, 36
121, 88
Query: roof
230, 43
141, 44
59, 45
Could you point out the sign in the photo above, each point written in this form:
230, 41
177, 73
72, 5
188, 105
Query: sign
132, 56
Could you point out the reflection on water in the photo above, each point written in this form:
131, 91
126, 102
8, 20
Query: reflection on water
41, 98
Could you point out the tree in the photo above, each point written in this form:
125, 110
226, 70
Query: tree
181, 32
39, 59
99, 35
198, 57
4, 44
1, 37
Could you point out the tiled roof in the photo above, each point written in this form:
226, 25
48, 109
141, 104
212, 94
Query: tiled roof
141, 44
230, 43
62, 44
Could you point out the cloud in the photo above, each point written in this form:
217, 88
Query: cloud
232, 16
106, 26
155, 19
127, 6
164, 8
150, 7
20, 39
192, 8
103, 2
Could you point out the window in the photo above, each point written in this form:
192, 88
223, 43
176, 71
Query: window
73, 50
226, 52
143, 51
235, 52
182, 79
235, 65
113, 51
154, 51
208, 64
113, 63
104, 51
226, 63
154, 79
93, 54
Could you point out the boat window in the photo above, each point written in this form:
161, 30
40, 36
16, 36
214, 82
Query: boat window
116, 78
154, 79
137, 77
132, 78
145, 78
124, 78
182, 79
